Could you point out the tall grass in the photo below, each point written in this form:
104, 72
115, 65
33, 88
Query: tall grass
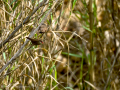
80, 49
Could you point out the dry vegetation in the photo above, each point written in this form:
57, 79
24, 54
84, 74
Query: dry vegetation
80, 44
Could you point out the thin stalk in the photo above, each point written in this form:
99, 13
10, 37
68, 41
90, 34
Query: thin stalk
91, 43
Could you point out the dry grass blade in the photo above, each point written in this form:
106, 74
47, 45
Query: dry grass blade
91, 85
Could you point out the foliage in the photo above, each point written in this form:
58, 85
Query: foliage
66, 59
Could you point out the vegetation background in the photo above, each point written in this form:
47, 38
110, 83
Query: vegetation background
80, 49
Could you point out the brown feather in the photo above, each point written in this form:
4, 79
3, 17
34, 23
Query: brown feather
35, 41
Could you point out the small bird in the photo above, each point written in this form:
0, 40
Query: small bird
35, 41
